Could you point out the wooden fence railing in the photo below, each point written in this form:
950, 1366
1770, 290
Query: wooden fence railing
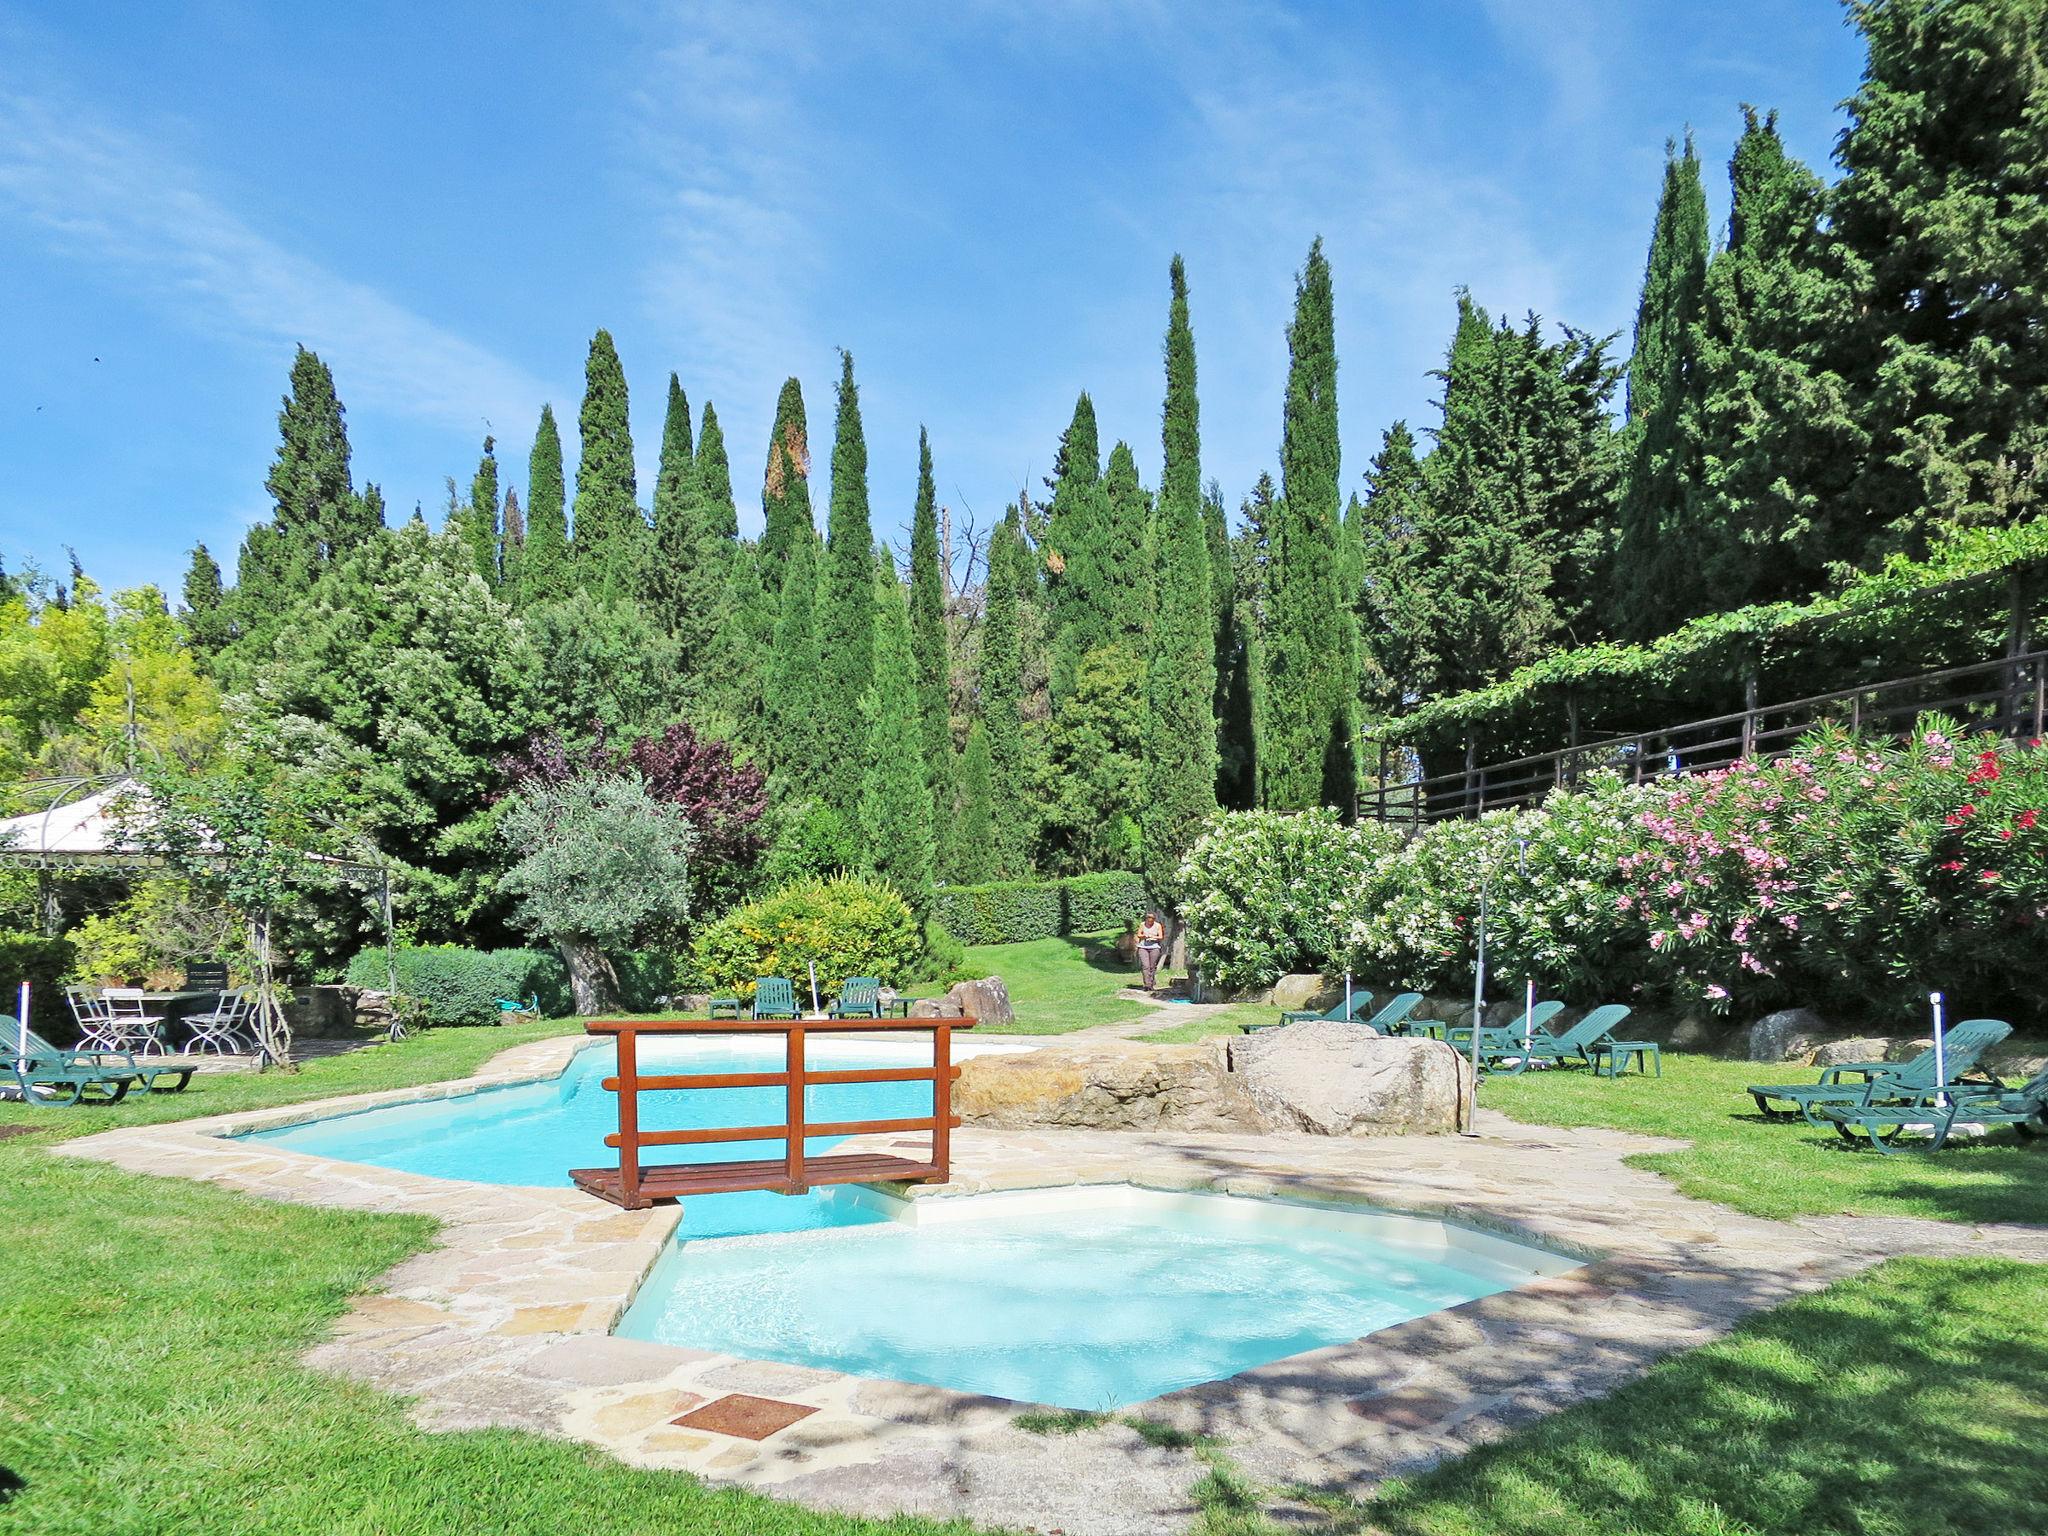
2009, 696
636, 1184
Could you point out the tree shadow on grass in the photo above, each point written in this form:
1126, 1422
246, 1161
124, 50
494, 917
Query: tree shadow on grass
1099, 954
11, 1483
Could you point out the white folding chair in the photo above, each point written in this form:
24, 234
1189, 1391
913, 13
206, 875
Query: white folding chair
96, 1028
134, 1027
225, 1030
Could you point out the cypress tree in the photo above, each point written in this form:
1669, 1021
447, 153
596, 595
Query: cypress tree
1073, 535
714, 481
737, 684
693, 588
674, 487
317, 515
511, 547
607, 530
971, 845
786, 485
1236, 776
1180, 683
796, 746
480, 520
928, 638
1119, 604
1001, 690
895, 799
1394, 617
206, 618
846, 622
546, 574
1657, 562
1306, 751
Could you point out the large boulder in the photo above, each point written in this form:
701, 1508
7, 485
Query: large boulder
986, 1001
1110, 1085
1305, 991
1791, 1034
935, 1008
1335, 1079
1837, 1053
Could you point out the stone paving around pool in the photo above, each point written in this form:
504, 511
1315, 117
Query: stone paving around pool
508, 1321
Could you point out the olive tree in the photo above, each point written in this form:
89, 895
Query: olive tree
600, 865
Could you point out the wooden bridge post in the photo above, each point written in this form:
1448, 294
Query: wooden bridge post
629, 1120
942, 1098
794, 1067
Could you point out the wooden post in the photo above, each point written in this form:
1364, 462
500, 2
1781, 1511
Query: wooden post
1568, 767
1749, 713
629, 1120
1471, 758
1642, 746
942, 1098
795, 1071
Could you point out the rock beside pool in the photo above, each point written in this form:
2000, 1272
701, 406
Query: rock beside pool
1863, 1048
1791, 1034
1306, 991
986, 1001
1334, 1079
1110, 1085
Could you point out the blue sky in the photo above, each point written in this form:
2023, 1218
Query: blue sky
979, 200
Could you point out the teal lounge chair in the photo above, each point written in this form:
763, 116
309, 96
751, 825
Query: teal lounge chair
1393, 1019
1504, 1037
1344, 1011
1584, 1042
1899, 1080
860, 997
774, 998
1939, 1112
51, 1077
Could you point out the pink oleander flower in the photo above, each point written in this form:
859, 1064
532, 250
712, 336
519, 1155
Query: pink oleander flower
1716, 991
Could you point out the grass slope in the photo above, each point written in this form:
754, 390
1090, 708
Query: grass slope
1060, 985
1781, 1168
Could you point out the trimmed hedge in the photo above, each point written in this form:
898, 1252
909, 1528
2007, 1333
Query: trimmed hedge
43, 963
1012, 911
450, 985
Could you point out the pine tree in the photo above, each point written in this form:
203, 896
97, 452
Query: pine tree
317, 515
608, 533
1180, 683
928, 639
1779, 447
480, 519
1938, 223
1307, 754
1001, 687
971, 845
1661, 542
846, 619
545, 574
786, 484
796, 747
206, 615
895, 799
511, 547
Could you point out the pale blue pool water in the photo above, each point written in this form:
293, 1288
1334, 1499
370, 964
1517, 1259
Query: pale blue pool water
535, 1133
1093, 1309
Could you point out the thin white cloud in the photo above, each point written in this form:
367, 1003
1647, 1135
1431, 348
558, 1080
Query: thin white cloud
99, 194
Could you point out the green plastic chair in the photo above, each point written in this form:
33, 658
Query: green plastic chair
1898, 1080
1879, 1124
1345, 1010
1582, 1043
52, 1077
1502, 1038
774, 998
1393, 1019
860, 997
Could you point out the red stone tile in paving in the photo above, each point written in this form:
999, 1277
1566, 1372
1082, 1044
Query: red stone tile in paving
744, 1417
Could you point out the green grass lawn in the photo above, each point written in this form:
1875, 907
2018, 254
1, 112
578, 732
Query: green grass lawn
1228, 1022
1780, 1168
1058, 985
1912, 1399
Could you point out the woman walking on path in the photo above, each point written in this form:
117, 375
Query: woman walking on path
1151, 946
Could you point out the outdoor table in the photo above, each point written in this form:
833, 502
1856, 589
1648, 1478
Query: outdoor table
173, 1006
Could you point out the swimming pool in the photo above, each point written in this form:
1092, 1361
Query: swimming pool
1092, 1298
534, 1133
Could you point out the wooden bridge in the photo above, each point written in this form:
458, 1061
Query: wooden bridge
637, 1185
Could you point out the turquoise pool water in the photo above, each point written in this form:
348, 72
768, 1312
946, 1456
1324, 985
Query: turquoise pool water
535, 1133
1090, 1304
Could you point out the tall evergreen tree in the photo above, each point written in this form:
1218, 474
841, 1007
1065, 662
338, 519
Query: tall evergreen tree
480, 519
1395, 620
928, 639
846, 618
797, 749
1661, 540
971, 845
206, 615
608, 533
895, 799
546, 574
1938, 221
1180, 683
735, 686
691, 576
714, 480
786, 484
1236, 775
317, 516
1073, 539
1779, 445
1307, 753
675, 527
1119, 605
511, 548
1001, 688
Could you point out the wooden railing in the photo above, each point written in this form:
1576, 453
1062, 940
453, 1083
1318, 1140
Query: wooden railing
2009, 696
636, 1184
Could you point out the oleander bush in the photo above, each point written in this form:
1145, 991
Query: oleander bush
847, 925
1848, 871
445, 984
